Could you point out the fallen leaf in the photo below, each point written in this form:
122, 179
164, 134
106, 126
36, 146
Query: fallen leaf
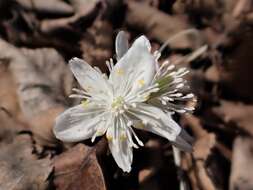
160, 26
236, 112
20, 168
9, 126
8, 92
85, 13
56, 7
97, 44
78, 169
42, 79
203, 146
242, 168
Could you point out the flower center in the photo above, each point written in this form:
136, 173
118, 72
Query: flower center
118, 103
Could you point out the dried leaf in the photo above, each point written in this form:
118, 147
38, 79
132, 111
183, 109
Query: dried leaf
159, 25
85, 13
40, 76
242, 168
8, 93
205, 142
236, 112
97, 44
235, 68
78, 169
57, 7
20, 169
9, 126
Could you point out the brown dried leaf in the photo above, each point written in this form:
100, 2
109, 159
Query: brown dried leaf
9, 126
205, 142
97, 44
85, 12
8, 93
42, 124
49, 63
203, 7
159, 25
20, 169
42, 78
78, 169
52, 7
242, 168
235, 68
212, 74
236, 112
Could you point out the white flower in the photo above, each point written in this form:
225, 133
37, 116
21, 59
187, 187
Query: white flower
137, 94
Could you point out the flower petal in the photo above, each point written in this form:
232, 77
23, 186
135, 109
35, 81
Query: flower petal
119, 144
156, 121
121, 44
122, 153
78, 123
89, 79
124, 156
135, 70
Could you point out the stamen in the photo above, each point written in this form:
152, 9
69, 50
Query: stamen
129, 137
164, 102
171, 67
111, 63
141, 82
176, 95
78, 91
77, 96
136, 137
120, 71
123, 136
93, 137
129, 123
144, 122
180, 85
85, 103
157, 55
109, 137
133, 105
108, 66
188, 96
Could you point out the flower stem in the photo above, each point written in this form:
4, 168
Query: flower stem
177, 160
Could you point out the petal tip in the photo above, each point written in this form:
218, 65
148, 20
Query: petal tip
127, 170
75, 60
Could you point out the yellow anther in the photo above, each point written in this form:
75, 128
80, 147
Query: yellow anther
146, 97
117, 102
109, 137
120, 71
85, 103
141, 82
99, 132
123, 137
140, 125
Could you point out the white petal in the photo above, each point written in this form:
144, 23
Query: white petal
122, 153
121, 44
135, 70
77, 123
119, 144
89, 79
156, 121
